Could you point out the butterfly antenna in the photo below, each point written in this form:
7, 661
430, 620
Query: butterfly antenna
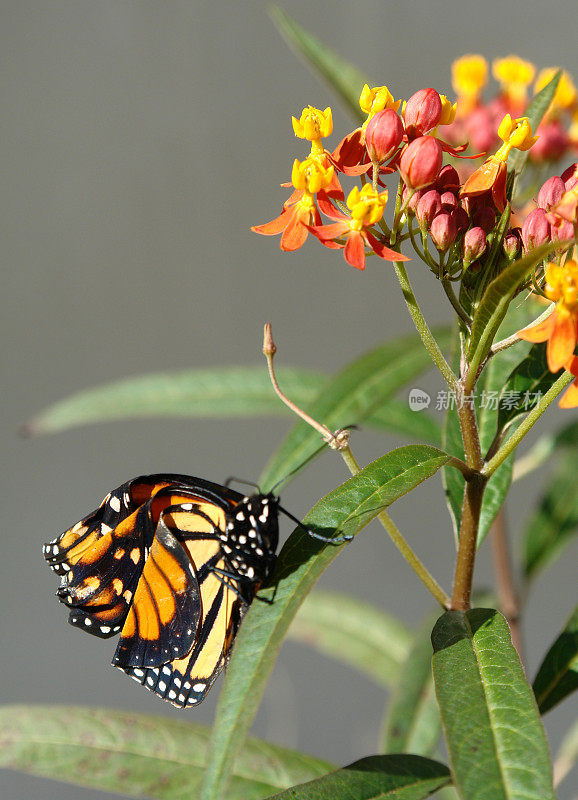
327, 539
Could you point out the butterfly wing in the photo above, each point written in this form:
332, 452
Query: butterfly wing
185, 678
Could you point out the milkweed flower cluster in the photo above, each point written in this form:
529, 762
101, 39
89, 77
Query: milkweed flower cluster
452, 203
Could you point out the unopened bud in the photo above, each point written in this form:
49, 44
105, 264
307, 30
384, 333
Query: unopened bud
383, 135
536, 229
443, 231
448, 180
551, 193
422, 112
427, 207
474, 245
421, 162
461, 219
512, 243
569, 177
449, 201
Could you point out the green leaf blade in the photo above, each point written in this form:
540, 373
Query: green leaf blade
350, 398
353, 632
302, 560
395, 777
345, 78
496, 741
525, 385
558, 674
137, 754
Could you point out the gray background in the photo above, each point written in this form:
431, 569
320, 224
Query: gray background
140, 141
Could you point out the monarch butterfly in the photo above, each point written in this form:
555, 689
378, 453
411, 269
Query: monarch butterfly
170, 562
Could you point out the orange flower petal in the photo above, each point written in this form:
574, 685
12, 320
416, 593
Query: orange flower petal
562, 342
275, 226
570, 397
540, 332
354, 251
482, 179
296, 232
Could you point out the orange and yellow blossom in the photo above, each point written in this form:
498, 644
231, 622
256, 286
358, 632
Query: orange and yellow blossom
314, 125
300, 211
366, 207
469, 76
560, 328
491, 176
514, 76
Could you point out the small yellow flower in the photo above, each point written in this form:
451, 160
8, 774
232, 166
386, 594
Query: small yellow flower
469, 76
366, 206
313, 123
448, 111
516, 134
377, 99
562, 284
565, 96
310, 175
514, 75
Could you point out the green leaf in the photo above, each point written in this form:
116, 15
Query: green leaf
413, 722
496, 300
351, 397
397, 416
137, 754
353, 632
399, 777
346, 79
558, 673
555, 522
525, 386
535, 113
227, 391
345, 510
494, 735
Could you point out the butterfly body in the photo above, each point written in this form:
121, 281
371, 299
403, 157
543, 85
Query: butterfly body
170, 562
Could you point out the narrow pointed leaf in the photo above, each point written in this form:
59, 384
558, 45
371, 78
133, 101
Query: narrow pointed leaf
221, 392
398, 777
554, 523
525, 386
413, 722
351, 397
227, 391
494, 735
302, 560
558, 673
535, 113
138, 755
496, 300
353, 632
346, 79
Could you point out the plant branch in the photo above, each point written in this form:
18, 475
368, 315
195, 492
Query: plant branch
528, 423
397, 538
514, 338
422, 327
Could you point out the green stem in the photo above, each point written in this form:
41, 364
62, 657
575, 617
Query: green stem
422, 327
418, 567
450, 294
510, 445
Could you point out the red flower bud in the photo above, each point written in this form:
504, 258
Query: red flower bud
551, 192
569, 178
448, 180
563, 230
449, 201
421, 162
443, 231
422, 112
413, 200
512, 243
482, 128
552, 143
536, 229
383, 135
428, 206
474, 244
461, 219
484, 217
